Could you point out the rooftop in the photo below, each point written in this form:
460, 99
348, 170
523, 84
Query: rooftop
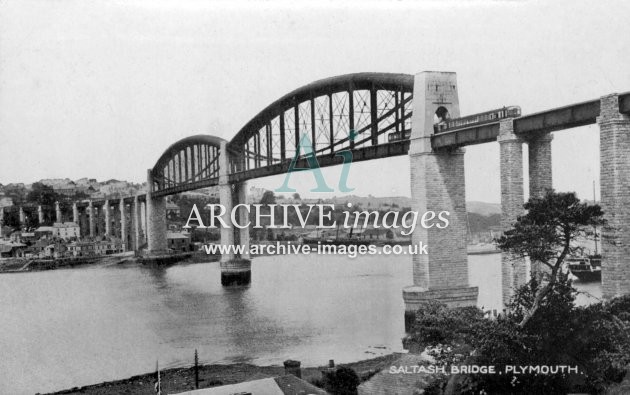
283, 385
64, 225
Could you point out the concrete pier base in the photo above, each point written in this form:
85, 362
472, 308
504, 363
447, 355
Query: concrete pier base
236, 271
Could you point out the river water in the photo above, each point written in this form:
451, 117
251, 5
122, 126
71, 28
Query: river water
66, 328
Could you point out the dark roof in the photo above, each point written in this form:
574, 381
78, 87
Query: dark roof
291, 385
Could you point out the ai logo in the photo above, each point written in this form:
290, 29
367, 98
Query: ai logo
306, 146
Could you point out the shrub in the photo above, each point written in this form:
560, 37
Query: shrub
341, 381
594, 338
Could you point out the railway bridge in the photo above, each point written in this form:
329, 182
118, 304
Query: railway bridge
376, 116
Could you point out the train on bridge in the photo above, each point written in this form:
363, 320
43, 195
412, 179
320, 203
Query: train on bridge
464, 122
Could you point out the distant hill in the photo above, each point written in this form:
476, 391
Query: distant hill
483, 208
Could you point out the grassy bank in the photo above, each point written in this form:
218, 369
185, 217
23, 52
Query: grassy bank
183, 379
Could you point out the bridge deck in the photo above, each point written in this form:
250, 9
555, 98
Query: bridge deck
560, 118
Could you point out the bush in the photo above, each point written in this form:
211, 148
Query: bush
435, 323
341, 381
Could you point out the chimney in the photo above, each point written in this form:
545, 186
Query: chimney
292, 367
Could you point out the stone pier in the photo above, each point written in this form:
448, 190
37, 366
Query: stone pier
123, 224
156, 220
108, 221
135, 222
75, 213
513, 268
58, 215
92, 223
437, 184
234, 270
614, 155
540, 180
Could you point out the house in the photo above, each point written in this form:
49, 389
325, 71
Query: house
94, 248
282, 385
16, 236
6, 201
28, 237
44, 232
9, 249
179, 241
67, 189
55, 250
66, 230
172, 210
22, 237
37, 248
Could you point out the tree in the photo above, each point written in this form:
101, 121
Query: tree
11, 219
268, 198
545, 235
42, 194
296, 196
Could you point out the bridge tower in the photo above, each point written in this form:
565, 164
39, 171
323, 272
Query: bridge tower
437, 184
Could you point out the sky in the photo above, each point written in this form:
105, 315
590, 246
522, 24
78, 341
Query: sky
100, 89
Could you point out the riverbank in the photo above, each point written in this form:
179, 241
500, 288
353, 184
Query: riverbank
25, 265
183, 379
22, 265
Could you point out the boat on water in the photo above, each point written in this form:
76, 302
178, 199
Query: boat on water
585, 268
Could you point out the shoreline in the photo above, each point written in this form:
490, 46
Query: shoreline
212, 375
27, 265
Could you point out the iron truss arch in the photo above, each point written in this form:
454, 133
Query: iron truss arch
371, 105
190, 163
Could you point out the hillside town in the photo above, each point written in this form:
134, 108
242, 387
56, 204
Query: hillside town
46, 237
35, 225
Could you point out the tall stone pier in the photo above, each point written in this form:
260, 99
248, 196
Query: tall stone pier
235, 270
540, 180
156, 220
92, 222
108, 221
513, 268
437, 184
123, 224
614, 154
58, 215
135, 222
75, 213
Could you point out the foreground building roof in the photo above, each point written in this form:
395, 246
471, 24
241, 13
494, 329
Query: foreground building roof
283, 385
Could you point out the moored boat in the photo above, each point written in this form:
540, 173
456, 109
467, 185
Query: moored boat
586, 269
